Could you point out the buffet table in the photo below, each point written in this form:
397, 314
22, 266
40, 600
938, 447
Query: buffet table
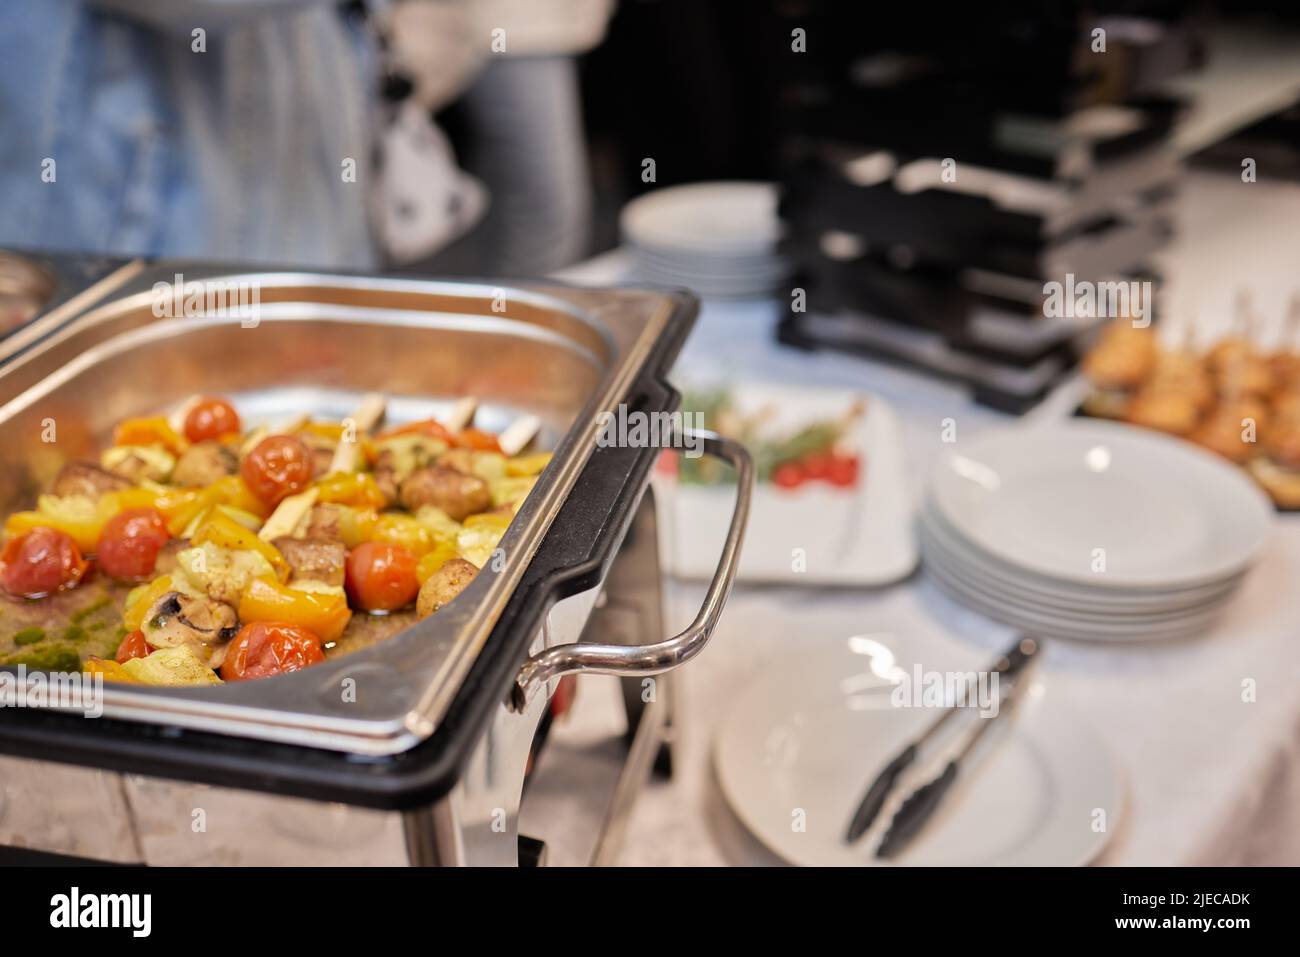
1213, 777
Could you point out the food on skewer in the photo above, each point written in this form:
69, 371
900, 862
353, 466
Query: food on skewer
1232, 430
197, 551
1171, 410
1285, 361
1235, 400
1278, 468
1123, 359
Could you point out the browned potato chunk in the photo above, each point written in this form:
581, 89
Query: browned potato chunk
313, 559
88, 479
204, 463
456, 494
444, 585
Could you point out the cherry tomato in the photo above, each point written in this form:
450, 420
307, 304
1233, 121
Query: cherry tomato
844, 471
789, 475
280, 465
132, 646
266, 648
818, 465
43, 561
381, 576
129, 543
211, 418
478, 439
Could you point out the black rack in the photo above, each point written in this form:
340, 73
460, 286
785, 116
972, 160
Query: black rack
931, 188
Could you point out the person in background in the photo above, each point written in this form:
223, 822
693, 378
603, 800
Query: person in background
221, 129
519, 101
295, 132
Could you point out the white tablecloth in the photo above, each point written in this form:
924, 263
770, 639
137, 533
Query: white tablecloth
1212, 779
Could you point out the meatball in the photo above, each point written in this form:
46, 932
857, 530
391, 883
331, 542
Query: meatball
456, 494
204, 463
444, 585
88, 479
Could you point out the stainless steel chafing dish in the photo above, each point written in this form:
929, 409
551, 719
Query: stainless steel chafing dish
414, 750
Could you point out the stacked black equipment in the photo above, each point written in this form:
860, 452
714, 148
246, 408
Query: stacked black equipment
937, 177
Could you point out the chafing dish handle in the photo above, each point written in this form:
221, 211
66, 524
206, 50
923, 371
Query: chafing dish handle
629, 660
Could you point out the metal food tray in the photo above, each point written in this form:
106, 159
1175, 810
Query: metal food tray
319, 342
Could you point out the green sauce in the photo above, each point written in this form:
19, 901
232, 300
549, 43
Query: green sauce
29, 636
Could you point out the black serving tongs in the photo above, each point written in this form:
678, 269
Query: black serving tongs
914, 812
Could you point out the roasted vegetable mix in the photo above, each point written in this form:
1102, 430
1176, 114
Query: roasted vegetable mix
197, 551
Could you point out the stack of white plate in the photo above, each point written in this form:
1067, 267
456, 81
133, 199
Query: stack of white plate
1092, 531
718, 239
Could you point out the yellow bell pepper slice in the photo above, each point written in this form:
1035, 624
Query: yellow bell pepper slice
404, 530
524, 465
153, 430
140, 600
79, 516
488, 520
324, 613
110, 669
220, 529
428, 566
357, 489
356, 524
82, 523
110, 503
234, 491
181, 506
333, 431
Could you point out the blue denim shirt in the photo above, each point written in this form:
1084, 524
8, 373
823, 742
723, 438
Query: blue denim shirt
116, 136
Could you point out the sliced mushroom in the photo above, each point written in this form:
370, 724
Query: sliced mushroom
204, 463
206, 626
444, 585
456, 494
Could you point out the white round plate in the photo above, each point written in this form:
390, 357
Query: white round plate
988, 574
1074, 614
801, 746
1050, 624
734, 217
718, 271
1166, 513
